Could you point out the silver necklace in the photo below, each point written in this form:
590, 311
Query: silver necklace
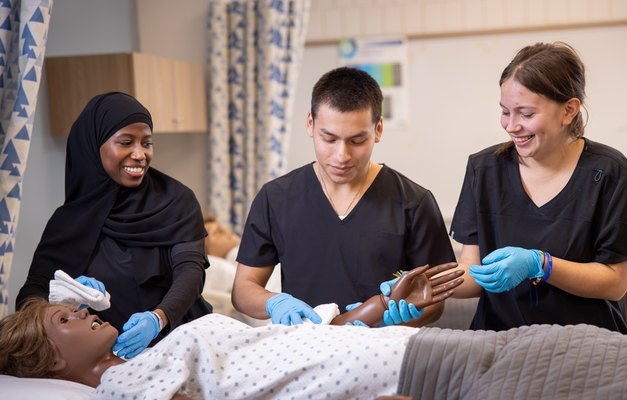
326, 192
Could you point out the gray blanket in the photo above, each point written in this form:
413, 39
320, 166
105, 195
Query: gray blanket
530, 362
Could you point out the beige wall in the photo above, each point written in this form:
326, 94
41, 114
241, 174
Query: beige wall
453, 79
336, 19
454, 101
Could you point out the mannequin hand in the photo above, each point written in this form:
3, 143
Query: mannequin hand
90, 283
139, 330
285, 309
505, 268
403, 313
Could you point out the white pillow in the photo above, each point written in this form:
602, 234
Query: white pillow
50, 389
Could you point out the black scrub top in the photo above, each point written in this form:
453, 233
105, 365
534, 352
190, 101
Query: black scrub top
396, 225
138, 279
586, 222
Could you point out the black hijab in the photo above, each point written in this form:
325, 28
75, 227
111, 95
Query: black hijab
159, 212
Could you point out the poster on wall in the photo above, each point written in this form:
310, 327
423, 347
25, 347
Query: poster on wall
386, 60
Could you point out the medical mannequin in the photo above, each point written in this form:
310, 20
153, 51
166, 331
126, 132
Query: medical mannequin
65, 343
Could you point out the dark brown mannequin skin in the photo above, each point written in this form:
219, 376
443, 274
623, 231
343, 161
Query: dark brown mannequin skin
415, 287
84, 352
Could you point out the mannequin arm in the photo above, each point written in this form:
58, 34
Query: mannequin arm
419, 287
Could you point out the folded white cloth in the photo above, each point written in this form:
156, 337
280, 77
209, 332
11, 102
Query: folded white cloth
67, 291
326, 311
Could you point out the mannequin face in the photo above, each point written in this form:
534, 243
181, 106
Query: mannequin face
82, 339
219, 240
127, 154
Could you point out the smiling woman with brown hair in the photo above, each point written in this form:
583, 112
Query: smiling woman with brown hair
125, 227
543, 217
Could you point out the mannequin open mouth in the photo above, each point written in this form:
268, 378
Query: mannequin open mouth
96, 323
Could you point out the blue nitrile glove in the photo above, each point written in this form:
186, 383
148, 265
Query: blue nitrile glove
386, 287
287, 310
403, 313
355, 322
505, 268
139, 330
91, 283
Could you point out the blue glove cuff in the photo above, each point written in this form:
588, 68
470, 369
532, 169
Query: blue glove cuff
537, 260
155, 320
274, 300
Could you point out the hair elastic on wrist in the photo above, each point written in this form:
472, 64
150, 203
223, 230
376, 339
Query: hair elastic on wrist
549, 268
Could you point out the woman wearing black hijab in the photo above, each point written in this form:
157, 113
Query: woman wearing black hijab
134, 229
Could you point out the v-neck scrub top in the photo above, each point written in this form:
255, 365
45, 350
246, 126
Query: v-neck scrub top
396, 225
586, 222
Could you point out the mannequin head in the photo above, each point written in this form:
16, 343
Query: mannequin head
82, 340
219, 240
25, 349
44, 340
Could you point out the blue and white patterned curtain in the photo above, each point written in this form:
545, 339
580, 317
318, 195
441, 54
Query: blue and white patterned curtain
23, 33
254, 56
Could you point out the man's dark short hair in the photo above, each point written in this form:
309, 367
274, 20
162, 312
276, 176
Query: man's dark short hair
347, 89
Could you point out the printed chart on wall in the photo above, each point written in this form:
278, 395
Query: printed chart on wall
385, 59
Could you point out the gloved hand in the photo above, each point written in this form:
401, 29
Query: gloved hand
505, 268
386, 287
403, 313
394, 315
287, 310
355, 322
139, 330
91, 283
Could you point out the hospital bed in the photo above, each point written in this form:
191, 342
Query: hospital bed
536, 362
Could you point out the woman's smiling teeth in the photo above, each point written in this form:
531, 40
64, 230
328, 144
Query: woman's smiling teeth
134, 170
522, 139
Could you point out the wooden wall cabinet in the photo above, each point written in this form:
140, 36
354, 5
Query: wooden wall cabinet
173, 91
